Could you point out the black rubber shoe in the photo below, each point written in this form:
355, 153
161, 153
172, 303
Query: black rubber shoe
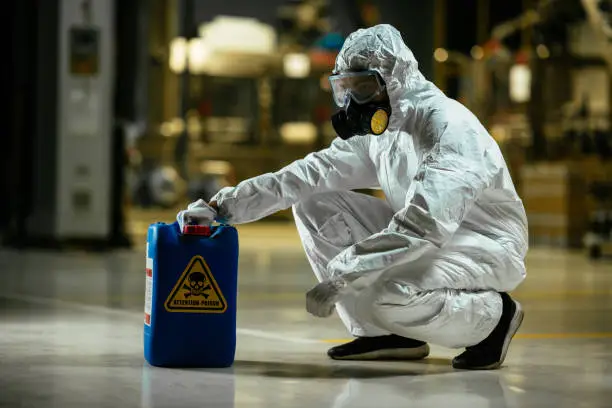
389, 347
491, 352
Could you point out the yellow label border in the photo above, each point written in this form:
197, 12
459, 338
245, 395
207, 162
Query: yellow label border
181, 280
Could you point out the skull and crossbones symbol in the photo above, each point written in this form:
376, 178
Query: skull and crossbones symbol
197, 285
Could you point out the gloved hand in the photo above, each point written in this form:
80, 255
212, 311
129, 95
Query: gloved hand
321, 300
198, 212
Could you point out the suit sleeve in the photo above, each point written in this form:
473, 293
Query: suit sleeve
345, 165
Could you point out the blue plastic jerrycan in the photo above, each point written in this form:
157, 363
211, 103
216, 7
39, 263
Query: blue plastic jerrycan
191, 293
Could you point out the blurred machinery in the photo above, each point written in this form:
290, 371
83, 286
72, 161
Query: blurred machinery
570, 111
547, 101
598, 239
213, 176
153, 176
301, 23
225, 64
253, 104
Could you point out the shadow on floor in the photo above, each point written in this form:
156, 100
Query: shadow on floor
337, 369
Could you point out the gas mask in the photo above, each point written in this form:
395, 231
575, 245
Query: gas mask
359, 120
363, 111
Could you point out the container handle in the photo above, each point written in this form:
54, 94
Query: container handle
202, 230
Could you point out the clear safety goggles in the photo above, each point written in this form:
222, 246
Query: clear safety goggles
362, 86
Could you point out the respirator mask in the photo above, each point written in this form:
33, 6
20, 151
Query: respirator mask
358, 94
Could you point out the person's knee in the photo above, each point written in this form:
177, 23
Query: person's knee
403, 302
512, 280
391, 293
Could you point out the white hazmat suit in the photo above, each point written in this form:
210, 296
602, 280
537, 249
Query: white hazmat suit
428, 262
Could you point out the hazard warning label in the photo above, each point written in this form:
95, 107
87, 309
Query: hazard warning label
148, 288
196, 291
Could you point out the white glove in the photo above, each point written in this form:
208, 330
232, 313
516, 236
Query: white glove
198, 212
321, 300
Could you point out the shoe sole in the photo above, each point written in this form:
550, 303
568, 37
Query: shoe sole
515, 324
414, 353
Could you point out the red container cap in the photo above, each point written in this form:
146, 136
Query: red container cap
196, 230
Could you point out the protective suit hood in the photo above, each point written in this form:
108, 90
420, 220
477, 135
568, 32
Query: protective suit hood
381, 48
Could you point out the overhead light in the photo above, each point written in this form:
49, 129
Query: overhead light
296, 65
198, 55
441, 55
238, 35
298, 133
542, 51
477, 52
237, 47
178, 55
520, 83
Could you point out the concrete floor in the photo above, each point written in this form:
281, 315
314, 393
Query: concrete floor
71, 336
